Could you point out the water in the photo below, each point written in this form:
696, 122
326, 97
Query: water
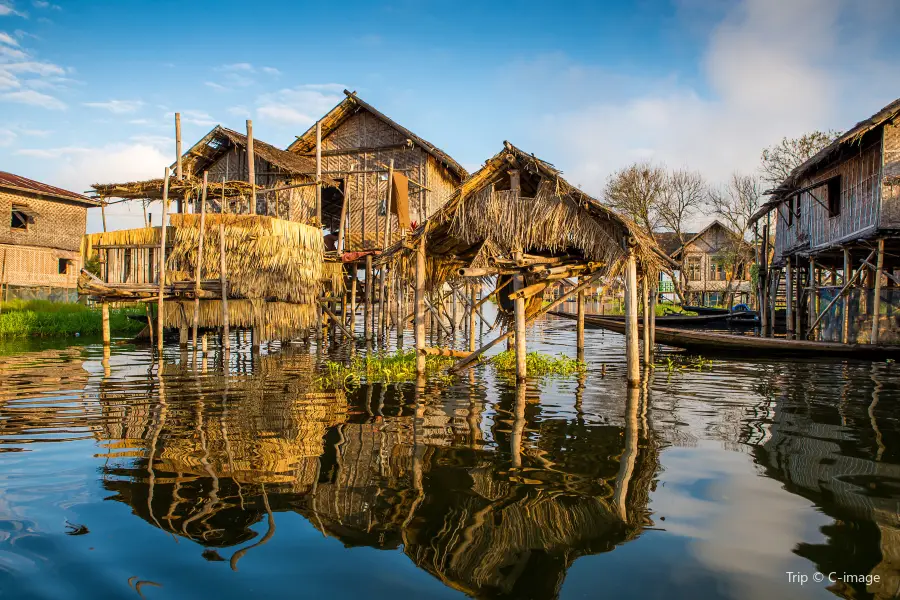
711, 481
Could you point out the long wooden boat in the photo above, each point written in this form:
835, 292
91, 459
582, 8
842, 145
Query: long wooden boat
706, 310
745, 345
699, 320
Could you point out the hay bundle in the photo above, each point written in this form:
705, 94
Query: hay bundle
265, 257
333, 277
274, 320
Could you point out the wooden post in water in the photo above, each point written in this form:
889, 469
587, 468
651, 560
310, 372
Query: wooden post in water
104, 312
160, 313
182, 333
519, 306
367, 304
579, 323
223, 283
654, 294
845, 325
198, 270
812, 310
645, 301
789, 298
420, 306
251, 167
632, 350
876, 304
383, 306
354, 272
472, 313
762, 280
254, 339
798, 302
318, 174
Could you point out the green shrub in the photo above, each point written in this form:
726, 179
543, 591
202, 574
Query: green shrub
42, 318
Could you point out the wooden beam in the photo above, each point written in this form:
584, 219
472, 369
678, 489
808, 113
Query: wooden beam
160, 319
445, 352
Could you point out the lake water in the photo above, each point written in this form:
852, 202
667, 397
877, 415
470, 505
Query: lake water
722, 479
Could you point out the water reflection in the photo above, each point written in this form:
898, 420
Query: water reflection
553, 489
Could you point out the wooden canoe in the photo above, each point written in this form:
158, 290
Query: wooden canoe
699, 320
745, 345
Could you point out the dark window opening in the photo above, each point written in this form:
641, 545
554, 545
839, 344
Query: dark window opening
790, 211
834, 196
19, 219
64, 264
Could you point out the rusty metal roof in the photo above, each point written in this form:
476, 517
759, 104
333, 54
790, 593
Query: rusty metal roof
23, 184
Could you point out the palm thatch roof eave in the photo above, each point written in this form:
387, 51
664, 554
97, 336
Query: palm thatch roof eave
347, 108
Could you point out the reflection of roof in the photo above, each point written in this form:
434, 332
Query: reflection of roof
347, 108
23, 184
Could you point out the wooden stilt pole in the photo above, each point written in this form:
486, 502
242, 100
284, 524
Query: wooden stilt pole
179, 174
251, 167
182, 336
763, 280
319, 173
367, 306
645, 302
519, 307
223, 283
789, 298
198, 269
472, 296
254, 339
104, 313
400, 309
353, 285
150, 325
103, 213
160, 313
420, 306
813, 301
632, 350
579, 324
845, 316
654, 294
876, 304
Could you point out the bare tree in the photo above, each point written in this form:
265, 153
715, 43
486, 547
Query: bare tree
684, 194
779, 160
637, 191
734, 203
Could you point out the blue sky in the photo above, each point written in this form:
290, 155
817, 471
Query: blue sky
88, 89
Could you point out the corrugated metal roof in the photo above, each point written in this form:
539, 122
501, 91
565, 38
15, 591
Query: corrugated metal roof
17, 182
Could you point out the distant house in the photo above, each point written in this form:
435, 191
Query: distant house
716, 263
40, 242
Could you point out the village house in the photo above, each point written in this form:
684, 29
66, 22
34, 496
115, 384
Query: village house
836, 220
358, 146
715, 266
41, 240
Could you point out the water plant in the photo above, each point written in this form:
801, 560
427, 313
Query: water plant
684, 362
42, 318
380, 367
537, 364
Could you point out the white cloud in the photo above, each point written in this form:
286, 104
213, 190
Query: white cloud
7, 53
53, 153
195, 117
7, 137
770, 69
34, 98
7, 39
271, 71
7, 10
216, 86
300, 105
118, 107
43, 4
243, 66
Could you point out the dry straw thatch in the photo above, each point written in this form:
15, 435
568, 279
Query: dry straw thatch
265, 257
274, 320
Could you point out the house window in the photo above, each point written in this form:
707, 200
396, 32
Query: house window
790, 211
64, 264
692, 268
714, 299
834, 196
19, 218
716, 270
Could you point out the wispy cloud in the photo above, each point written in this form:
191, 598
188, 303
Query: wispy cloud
8, 10
118, 107
34, 98
52, 153
238, 111
7, 39
195, 117
242, 66
239, 75
42, 4
216, 86
271, 71
299, 105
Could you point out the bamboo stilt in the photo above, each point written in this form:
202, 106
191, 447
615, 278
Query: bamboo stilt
845, 317
251, 167
223, 282
645, 301
876, 304
367, 306
198, 271
182, 336
420, 306
789, 298
472, 295
519, 307
160, 313
353, 285
632, 350
579, 324
654, 295
104, 311
813, 301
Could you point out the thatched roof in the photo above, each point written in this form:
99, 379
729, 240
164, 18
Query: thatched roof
350, 106
791, 184
483, 219
201, 156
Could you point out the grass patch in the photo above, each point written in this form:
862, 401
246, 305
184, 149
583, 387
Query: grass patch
41, 318
685, 362
537, 364
381, 367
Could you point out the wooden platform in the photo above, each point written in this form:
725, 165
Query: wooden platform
745, 345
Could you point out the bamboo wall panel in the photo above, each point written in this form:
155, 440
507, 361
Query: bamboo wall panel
890, 194
56, 224
35, 266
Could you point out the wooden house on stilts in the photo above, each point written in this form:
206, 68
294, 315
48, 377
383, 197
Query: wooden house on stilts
516, 223
836, 223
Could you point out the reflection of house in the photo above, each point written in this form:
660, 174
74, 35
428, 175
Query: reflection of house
40, 241
715, 264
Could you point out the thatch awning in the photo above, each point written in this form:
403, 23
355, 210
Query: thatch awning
484, 221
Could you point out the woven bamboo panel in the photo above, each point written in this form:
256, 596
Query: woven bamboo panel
32, 266
56, 224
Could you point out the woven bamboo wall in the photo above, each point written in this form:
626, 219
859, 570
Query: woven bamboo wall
890, 193
367, 190
35, 266
57, 224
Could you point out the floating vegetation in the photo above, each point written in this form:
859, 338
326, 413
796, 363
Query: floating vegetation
381, 367
42, 318
537, 364
685, 362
